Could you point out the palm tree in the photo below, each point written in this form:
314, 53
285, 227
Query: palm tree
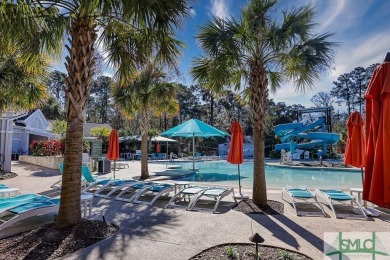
21, 88
128, 32
146, 95
258, 51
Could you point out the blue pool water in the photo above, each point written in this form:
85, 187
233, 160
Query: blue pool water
225, 173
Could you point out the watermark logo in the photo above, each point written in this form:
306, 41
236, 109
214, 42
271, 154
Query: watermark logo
356, 245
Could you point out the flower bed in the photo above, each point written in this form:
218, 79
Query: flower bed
47, 148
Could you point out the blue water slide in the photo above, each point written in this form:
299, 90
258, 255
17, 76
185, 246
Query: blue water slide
328, 138
294, 129
286, 128
288, 131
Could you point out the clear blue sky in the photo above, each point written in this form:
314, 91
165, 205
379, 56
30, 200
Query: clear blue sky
360, 26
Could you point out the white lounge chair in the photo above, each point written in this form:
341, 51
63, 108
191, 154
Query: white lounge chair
157, 190
86, 182
108, 188
218, 193
91, 182
11, 202
6, 192
184, 194
57, 184
20, 212
131, 190
302, 196
330, 197
286, 157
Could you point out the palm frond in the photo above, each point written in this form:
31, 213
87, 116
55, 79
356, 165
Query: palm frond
295, 28
276, 79
146, 91
128, 47
305, 62
20, 87
32, 28
257, 15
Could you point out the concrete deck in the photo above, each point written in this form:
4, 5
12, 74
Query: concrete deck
159, 233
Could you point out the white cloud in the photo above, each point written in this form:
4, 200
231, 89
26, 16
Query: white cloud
220, 8
192, 12
361, 52
357, 47
290, 96
108, 73
340, 15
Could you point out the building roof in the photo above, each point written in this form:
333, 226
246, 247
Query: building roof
34, 120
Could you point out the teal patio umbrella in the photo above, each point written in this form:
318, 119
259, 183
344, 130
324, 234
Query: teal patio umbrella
193, 128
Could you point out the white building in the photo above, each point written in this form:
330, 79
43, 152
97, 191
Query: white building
223, 149
31, 127
17, 131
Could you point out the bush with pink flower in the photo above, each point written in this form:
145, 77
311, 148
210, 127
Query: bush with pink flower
47, 148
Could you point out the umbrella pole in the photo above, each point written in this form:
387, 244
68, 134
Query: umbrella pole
193, 151
114, 168
239, 180
166, 164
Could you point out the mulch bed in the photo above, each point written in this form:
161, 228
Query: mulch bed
7, 175
248, 207
247, 252
49, 242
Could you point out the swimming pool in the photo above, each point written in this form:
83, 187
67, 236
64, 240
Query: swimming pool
225, 173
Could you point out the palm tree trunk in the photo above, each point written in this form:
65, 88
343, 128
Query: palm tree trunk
258, 98
144, 125
80, 64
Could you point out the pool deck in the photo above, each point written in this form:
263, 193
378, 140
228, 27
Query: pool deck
158, 233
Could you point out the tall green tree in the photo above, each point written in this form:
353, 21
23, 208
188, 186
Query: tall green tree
100, 104
56, 86
322, 99
189, 104
40, 26
147, 94
260, 51
51, 109
100, 132
59, 127
343, 90
350, 87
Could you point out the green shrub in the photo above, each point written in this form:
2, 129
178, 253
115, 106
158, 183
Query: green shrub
285, 255
231, 254
274, 154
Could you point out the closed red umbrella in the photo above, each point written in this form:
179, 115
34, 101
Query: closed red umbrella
236, 146
355, 148
113, 148
376, 187
158, 148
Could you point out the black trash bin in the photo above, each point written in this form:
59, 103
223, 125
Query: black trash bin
104, 166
